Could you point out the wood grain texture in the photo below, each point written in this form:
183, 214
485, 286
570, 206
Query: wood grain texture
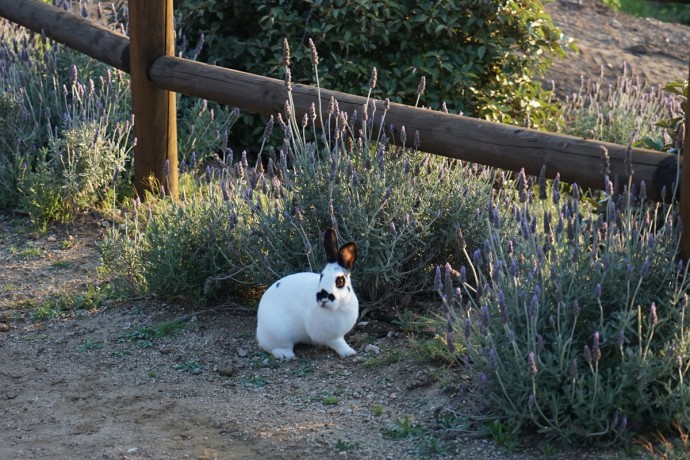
155, 110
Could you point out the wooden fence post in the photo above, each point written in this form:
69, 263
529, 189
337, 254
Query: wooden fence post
155, 112
685, 185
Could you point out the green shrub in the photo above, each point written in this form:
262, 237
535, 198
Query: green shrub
577, 322
483, 58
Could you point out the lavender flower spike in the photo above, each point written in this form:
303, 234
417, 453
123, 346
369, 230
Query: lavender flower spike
438, 284
596, 351
653, 318
532, 364
314, 54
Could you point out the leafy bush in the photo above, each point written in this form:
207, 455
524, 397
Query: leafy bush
252, 225
480, 57
615, 112
576, 324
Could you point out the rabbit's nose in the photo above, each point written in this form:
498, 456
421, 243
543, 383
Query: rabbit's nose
323, 296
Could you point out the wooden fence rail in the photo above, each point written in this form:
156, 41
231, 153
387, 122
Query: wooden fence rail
505, 146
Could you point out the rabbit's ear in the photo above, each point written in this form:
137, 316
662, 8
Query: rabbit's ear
347, 255
330, 244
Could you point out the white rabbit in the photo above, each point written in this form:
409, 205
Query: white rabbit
311, 308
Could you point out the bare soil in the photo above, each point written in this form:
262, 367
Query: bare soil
106, 381
655, 51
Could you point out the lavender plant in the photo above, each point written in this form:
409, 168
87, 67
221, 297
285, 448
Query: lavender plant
613, 111
66, 125
400, 205
574, 323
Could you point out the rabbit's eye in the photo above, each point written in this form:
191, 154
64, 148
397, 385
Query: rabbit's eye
340, 282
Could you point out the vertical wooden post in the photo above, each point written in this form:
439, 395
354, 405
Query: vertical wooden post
685, 186
155, 112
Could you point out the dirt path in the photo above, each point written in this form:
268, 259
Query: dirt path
149, 380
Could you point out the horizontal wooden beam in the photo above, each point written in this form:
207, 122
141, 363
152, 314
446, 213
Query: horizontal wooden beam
78, 33
504, 146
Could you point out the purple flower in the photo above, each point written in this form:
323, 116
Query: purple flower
438, 284
573, 370
533, 307
468, 328
645, 267
587, 354
314, 54
485, 317
372, 79
653, 318
623, 425
387, 194
628, 271
449, 335
224, 189
422, 86
493, 360
522, 186
542, 183
477, 257
596, 351
269, 128
532, 364
502, 308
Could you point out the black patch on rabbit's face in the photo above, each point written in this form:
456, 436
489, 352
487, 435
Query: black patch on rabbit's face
323, 295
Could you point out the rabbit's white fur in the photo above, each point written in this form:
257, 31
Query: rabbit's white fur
311, 308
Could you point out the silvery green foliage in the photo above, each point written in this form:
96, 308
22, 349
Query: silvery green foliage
66, 125
575, 321
628, 107
240, 225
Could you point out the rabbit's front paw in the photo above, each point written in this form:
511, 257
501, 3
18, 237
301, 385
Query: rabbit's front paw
283, 353
342, 348
345, 353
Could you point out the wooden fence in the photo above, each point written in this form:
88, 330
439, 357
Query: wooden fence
156, 74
